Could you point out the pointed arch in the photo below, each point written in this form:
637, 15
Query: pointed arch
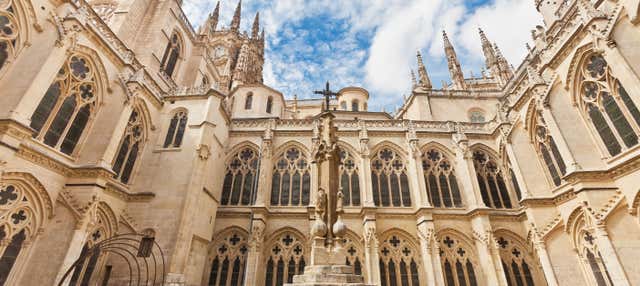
131, 144
173, 53
349, 175
176, 128
291, 179
355, 252
389, 176
390, 145
227, 257
241, 176
17, 32
459, 260
519, 261
440, 177
285, 255
400, 262
291, 143
237, 147
494, 179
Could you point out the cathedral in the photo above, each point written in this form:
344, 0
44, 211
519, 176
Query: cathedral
137, 150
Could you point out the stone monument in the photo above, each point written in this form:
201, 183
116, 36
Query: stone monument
328, 255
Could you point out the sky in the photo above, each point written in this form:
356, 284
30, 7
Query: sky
373, 43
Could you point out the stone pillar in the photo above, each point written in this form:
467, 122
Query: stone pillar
110, 153
515, 166
365, 166
427, 243
266, 173
487, 252
609, 257
256, 240
561, 143
465, 172
371, 255
437, 265
543, 257
76, 244
415, 171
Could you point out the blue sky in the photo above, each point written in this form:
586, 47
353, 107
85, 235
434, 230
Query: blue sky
372, 43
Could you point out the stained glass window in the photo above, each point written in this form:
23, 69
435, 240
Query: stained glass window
349, 179
67, 106
229, 260
291, 180
398, 264
440, 178
130, 147
175, 133
171, 55
514, 257
608, 105
9, 32
389, 179
456, 258
548, 150
240, 181
285, 260
494, 190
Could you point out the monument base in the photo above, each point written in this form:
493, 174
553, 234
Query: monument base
328, 275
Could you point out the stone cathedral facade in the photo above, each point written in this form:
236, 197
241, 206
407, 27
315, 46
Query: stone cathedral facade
117, 117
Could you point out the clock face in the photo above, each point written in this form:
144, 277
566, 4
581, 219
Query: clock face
219, 51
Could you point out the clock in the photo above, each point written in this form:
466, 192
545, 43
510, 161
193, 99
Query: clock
219, 51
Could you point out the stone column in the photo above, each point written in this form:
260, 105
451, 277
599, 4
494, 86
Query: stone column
365, 165
415, 171
543, 257
515, 166
427, 243
465, 172
371, 255
491, 266
266, 173
256, 239
437, 265
561, 143
609, 256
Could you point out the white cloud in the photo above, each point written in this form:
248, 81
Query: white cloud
397, 29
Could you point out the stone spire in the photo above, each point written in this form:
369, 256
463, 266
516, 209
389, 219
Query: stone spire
493, 60
425, 82
457, 77
506, 72
240, 73
414, 83
256, 26
211, 24
235, 22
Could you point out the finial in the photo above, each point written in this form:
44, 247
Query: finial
235, 22
425, 81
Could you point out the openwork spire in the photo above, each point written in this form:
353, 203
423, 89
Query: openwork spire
414, 82
506, 72
500, 69
235, 22
255, 30
211, 24
454, 65
425, 82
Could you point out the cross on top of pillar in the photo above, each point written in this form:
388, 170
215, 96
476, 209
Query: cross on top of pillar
327, 93
516, 252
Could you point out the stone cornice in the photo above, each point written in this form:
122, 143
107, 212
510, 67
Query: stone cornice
120, 191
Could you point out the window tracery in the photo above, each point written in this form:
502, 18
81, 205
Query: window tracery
229, 261
612, 112
291, 179
589, 253
546, 147
349, 179
171, 55
493, 187
285, 258
518, 263
130, 147
16, 223
458, 262
399, 262
389, 179
175, 133
440, 179
354, 255
239, 186
476, 116
90, 260
67, 106
9, 32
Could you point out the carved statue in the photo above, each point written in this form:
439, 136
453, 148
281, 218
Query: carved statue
321, 204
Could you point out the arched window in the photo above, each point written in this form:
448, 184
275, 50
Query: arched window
389, 179
398, 262
493, 188
67, 106
343, 105
440, 179
89, 259
589, 253
613, 114
248, 102
240, 181
132, 143
22, 216
291, 179
285, 258
171, 55
518, 263
176, 130
476, 116
269, 104
229, 261
355, 256
355, 105
349, 179
547, 149
458, 262
9, 32
205, 81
